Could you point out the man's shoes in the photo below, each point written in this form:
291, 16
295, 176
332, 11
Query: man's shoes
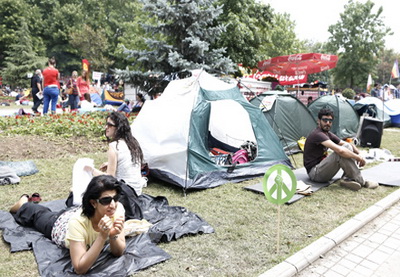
353, 185
371, 184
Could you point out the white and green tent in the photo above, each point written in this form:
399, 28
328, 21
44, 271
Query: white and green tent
288, 116
174, 130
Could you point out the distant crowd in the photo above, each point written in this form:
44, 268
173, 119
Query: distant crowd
70, 94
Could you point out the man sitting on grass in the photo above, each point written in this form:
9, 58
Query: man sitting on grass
321, 167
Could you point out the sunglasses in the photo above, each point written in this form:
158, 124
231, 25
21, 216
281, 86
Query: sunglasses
107, 200
108, 124
326, 120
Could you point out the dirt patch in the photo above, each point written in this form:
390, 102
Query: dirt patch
36, 147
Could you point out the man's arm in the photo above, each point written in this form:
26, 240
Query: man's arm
355, 149
344, 152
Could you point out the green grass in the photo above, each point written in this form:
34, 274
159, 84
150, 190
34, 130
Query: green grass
244, 242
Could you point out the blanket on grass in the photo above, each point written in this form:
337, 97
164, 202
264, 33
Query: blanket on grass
169, 222
22, 168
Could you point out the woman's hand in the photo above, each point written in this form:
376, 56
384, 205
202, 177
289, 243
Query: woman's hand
117, 227
105, 225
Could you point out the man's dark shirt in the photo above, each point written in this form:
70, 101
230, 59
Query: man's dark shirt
314, 151
34, 81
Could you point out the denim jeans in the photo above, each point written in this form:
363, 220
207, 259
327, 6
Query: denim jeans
73, 101
50, 94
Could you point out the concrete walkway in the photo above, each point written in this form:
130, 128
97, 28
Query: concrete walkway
366, 245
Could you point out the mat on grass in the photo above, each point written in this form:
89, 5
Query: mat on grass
301, 175
22, 168
170, 222
386, 174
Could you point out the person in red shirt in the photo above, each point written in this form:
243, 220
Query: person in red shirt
51, 85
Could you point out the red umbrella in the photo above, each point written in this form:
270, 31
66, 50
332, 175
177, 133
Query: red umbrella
299, 64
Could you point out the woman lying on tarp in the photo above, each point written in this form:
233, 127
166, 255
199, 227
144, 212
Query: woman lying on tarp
83, 230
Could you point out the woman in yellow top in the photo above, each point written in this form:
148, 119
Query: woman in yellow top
84, 230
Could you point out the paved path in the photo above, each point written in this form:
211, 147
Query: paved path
372, 251
366, 245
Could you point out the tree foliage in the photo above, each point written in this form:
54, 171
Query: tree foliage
96, 50
247, 23
21, 58
281, 38
180, 38
358, 38
382, 74
12, 13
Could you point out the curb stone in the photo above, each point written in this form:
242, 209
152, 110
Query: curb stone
306, 256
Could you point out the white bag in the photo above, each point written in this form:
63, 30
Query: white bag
81, 179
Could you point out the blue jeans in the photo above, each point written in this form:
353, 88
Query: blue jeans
73, 101
50, 94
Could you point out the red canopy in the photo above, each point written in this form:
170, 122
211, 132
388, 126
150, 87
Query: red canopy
299, 64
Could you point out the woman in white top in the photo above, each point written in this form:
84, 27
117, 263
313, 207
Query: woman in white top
124, 153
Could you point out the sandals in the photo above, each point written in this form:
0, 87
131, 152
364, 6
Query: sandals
35, 198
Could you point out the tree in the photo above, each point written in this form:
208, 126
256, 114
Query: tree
246, 24
281, 38
12, 12
21, 59
96, 50
181, 39
383, 73
357, 38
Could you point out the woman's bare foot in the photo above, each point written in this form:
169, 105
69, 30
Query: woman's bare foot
24, 198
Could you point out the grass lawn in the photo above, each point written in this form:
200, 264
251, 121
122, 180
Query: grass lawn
245, 223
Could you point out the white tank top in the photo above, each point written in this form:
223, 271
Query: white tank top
127, 170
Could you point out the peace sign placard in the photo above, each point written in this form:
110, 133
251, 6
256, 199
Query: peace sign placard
279, 184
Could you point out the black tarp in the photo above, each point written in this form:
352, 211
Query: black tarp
170, 222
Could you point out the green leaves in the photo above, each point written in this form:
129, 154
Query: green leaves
358, 38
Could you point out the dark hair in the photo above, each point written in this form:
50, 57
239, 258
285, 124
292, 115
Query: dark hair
96, 187
52, 61
326, 112
141, 97
123, 131
87, 97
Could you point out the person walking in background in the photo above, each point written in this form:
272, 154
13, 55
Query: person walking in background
36, 87
375, 90
73, 98
83, 84
51, 77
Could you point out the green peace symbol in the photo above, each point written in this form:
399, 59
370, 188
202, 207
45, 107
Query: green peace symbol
280, 188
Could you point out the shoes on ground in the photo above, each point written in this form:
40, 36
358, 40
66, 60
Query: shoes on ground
371, 184
353, 185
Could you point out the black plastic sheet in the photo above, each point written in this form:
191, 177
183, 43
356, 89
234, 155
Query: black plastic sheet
170, 222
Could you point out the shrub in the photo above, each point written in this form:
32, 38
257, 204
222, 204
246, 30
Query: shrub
349, 93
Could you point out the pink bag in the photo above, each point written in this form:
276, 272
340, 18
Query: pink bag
240, 157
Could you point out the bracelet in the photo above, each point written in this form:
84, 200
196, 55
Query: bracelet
114, 237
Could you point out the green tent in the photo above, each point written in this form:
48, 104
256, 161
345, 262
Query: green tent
288, 116
346, 120
174, 133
